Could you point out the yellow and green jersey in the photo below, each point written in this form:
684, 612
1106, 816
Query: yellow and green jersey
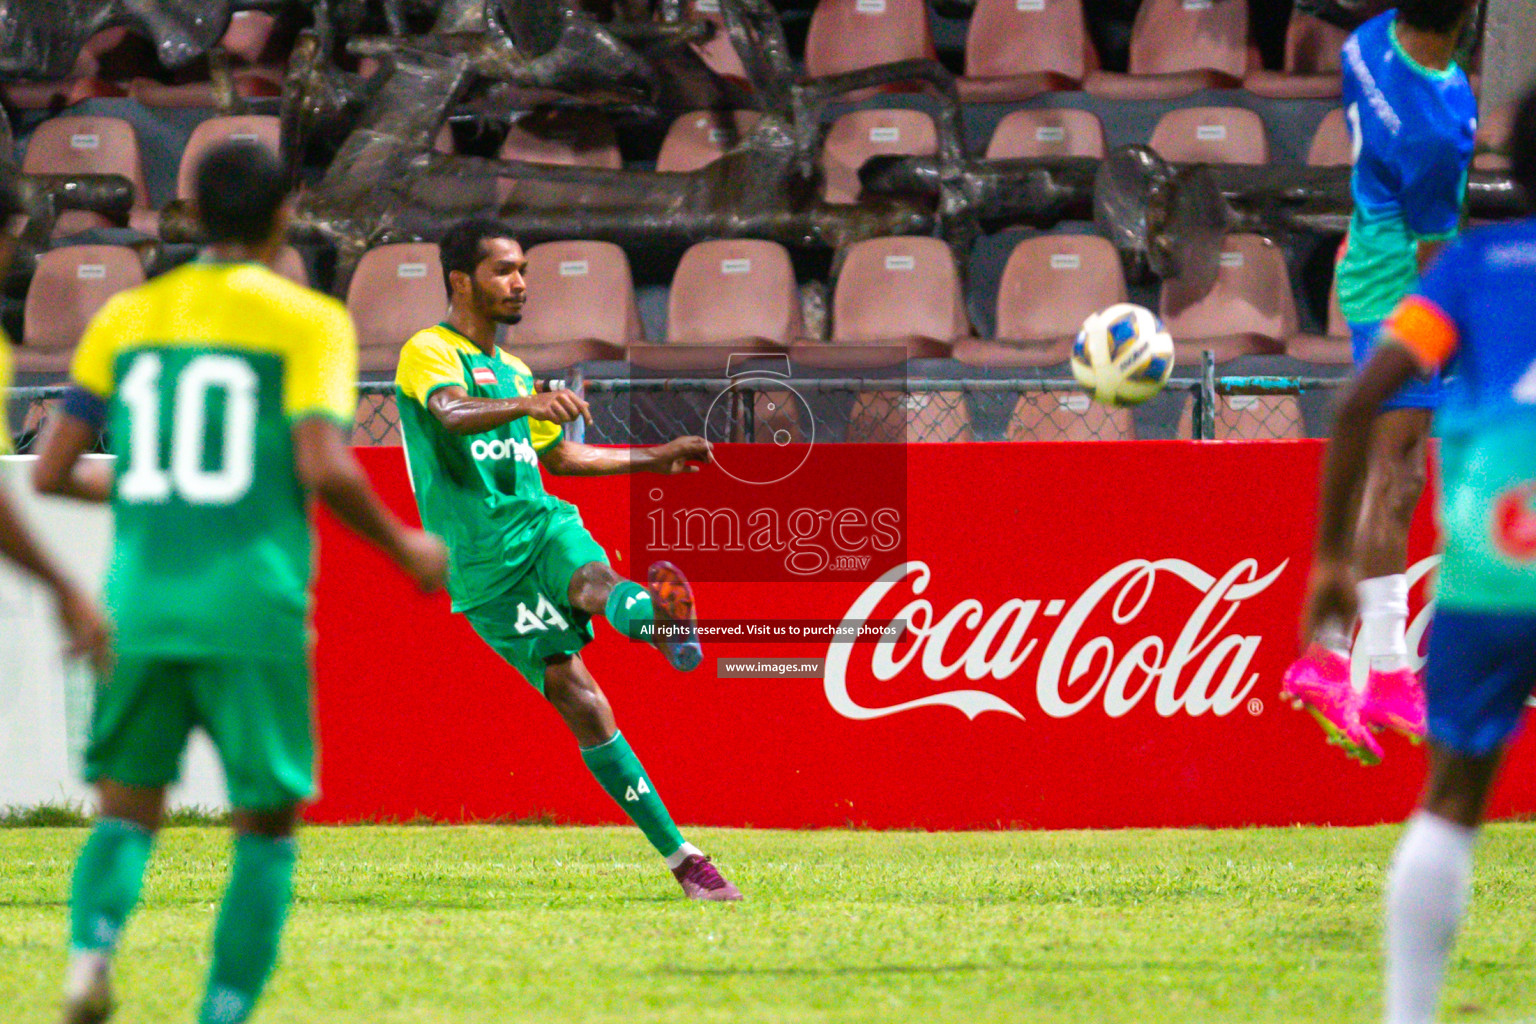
482, 493
205, 370
5, 386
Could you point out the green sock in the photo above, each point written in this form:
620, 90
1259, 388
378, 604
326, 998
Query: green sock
106, 883
619, 772
250, 921
630, 610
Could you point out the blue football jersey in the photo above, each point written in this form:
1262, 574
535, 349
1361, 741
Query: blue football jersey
1412, 129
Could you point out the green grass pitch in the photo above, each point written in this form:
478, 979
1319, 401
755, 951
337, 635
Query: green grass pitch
508, 924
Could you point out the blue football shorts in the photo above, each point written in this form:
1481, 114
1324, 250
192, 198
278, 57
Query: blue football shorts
1418, 393
1480, 669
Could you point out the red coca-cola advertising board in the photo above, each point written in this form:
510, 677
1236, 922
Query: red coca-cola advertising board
1093, 638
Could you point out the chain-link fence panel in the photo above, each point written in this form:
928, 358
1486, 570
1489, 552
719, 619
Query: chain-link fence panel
764, 411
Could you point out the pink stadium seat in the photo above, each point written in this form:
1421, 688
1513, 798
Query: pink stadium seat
701, 137
857, 136
902, 291
84, 81
1047, 132
395, 291
896, 299
1250, 311
290, 264
718, 54
1211, 135
730, 295
262, 128
256, 69
1015, 49
1049, 286
1493, 128
68, 287
570, 138
1331, 145
1179, 47
1312, 67
581, 306
847, 35
88, 145
1330, 349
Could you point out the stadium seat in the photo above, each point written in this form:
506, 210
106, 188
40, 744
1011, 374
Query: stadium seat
896, 299
1330, 349
569, 138
69, 285
290, 264
729, 295
718, 54
395, 291
1049, 286
701, 137
1331, 145
1492, 140
256, 70
1211, 135
1250, 310
84, 81
74, 144
848, 35
1179, 47
581, 306
1015, 49
1312, 68
1047, 132
261, 128
857, 136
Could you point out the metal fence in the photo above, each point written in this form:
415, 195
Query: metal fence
766, 410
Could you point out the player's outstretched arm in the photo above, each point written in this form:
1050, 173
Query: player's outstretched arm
59, 469
681, 455
461, 414
82, 622
327, 468
1330, 589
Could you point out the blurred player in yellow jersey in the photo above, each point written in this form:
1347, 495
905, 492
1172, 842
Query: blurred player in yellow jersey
81, 621
226, 390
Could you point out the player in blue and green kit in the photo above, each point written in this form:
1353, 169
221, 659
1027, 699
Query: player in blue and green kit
225, 390
1412, 116
522, 568
1473, 314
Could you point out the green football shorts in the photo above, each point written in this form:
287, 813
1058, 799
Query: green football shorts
257, 712
533, 619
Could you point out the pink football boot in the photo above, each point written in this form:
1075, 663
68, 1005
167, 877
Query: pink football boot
1394, 700
1319, 682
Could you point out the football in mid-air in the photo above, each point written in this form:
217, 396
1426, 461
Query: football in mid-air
1123, 355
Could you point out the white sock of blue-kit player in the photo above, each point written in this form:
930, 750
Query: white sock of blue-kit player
1384, 621
1427, 890
683, 853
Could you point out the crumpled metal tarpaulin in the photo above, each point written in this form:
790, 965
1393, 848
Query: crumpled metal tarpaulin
42, 38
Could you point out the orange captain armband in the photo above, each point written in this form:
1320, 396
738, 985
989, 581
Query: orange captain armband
1422, 328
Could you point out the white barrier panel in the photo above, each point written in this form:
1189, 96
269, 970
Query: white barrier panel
45, 699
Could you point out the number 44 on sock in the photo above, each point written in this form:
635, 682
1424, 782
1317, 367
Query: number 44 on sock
636, 791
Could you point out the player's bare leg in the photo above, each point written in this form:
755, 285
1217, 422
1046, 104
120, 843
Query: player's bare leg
106, 885
1430, 879
581, 703
250, 924
661, 612
1395, 480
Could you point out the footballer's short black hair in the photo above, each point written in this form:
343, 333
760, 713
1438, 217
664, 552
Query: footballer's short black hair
1521, 147
463, 247
1432, 15
239, 187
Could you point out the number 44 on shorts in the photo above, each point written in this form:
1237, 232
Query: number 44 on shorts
543, 617
635, 792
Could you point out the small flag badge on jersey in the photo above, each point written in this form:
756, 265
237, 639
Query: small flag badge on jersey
484, 375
